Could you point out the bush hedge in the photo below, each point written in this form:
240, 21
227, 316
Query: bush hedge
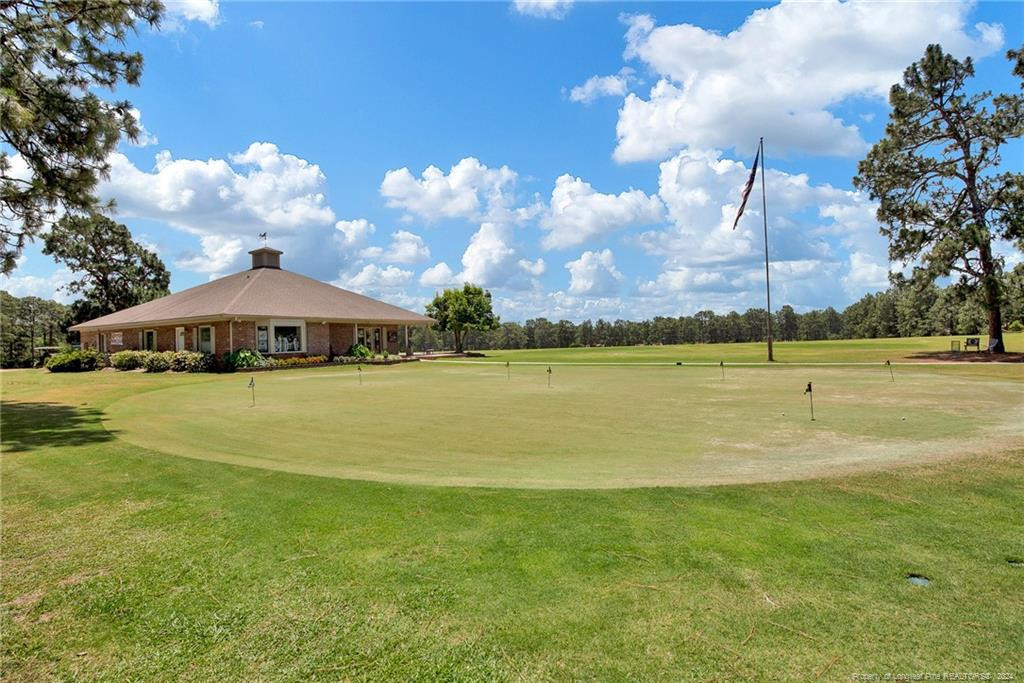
359, 351
157, 361
81, 360
162, 361
191, 361
127, 360
244, 358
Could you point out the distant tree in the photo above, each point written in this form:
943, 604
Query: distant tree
25, 324
544, 333
55, 54
705, 326
565, 333
883, 315
936, 175
512, 336
585, 333
1013, 294
786, 323
833, 323
114, 271
460, 310
970, 317
914, 301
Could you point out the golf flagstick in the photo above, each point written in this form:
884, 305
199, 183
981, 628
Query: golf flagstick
892, 377
810, 393
721, 364
252, 385
359, 369
549, 377
508, 371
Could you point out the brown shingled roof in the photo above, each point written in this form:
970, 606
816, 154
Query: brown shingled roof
260, 293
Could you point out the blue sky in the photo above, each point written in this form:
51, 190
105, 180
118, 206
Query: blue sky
586, 158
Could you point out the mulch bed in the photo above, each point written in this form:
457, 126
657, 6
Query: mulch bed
967, 357
334, 364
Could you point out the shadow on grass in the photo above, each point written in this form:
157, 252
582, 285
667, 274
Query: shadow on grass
967, 356
25, 426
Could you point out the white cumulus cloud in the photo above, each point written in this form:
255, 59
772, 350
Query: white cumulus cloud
438, 275
469, 190
372, 278
780, 73
405, 247
224, 202
615, 85
544, 9
578, 213
354, 233
177, 12
707, 264
52, 286
492, 260
268, 190
594, 274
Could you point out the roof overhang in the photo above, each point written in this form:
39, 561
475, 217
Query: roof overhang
88, 326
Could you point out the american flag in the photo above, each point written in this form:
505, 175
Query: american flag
746, 189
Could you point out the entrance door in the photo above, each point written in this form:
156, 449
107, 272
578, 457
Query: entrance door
370, 338
179, 338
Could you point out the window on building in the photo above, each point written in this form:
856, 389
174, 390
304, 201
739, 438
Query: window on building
149, 340
287, 338
206, 339
262, 338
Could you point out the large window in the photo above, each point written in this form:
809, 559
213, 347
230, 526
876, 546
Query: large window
287, 338
206, 343
281, 336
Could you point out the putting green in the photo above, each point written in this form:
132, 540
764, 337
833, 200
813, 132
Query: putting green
595, 427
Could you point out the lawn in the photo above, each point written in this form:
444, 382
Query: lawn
122, 560
593, 427
838, 351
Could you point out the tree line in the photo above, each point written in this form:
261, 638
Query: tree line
26, 324
904, 310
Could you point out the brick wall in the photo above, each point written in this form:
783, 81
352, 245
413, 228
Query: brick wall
245, 334
342, 336
320, 338
392, 346
317, 339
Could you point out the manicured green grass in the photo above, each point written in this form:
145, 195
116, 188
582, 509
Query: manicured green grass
845, 350
123, 562
594, 427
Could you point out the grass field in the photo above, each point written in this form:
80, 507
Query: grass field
122, 560
840, 351
595, 427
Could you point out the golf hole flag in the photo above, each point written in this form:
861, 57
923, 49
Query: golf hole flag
747, 188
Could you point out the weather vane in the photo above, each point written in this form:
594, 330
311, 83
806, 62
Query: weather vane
263, 236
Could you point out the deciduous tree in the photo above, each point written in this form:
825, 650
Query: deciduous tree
461, 310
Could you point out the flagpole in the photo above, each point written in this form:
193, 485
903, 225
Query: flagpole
767, 281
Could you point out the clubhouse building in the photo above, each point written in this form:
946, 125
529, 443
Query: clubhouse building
266, 308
